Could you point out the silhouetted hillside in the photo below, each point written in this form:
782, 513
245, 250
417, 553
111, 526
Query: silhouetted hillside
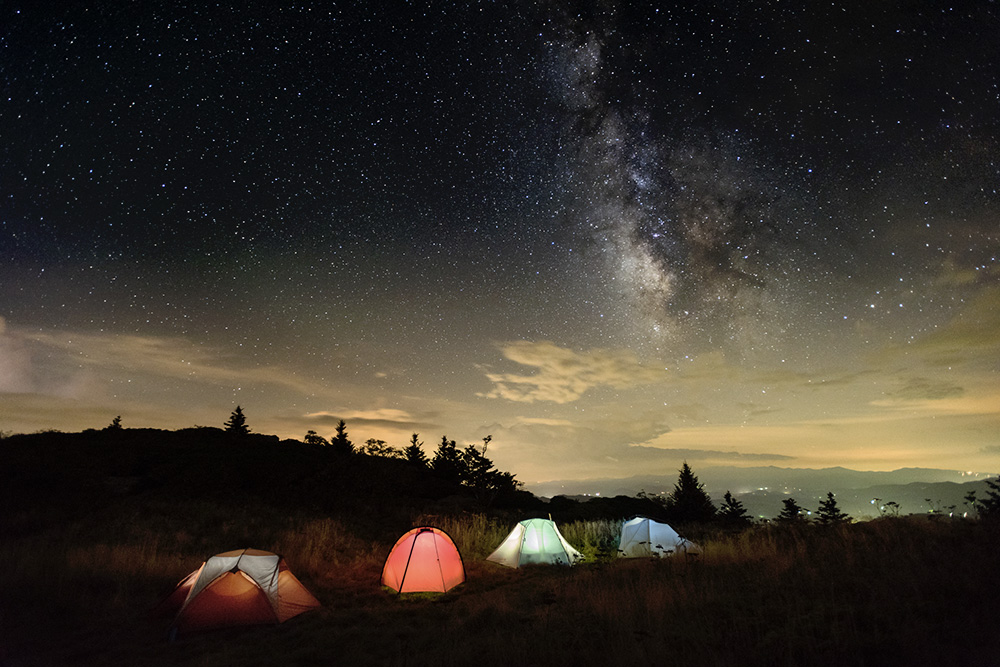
57, 477
65, 475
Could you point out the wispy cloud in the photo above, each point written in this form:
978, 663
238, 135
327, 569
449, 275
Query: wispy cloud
542, 421
713, 455
982, 403
607, 446
974, 334
384, 418
563, 375
36, 359
920, 388
15, 364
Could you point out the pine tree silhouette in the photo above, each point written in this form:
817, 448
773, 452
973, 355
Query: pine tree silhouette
733, 512
689, 502
828, 512
791, 512
448, 462
340, 443
414, 452
989, 507
237, 424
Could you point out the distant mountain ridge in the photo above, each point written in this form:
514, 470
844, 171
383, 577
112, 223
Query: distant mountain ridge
761, 489
81, 473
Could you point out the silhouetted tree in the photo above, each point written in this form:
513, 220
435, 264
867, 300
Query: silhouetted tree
448, 462
969, 500
828, 512
313, 438
689, 502
375, 447
479, 474
476, 465
237, 424
989, 507
414, 452
791, 512
732, 512
340, 443
115, 425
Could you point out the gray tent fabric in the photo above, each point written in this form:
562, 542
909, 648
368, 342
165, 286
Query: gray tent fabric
645, 538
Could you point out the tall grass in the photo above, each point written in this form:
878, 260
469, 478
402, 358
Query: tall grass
475, 535
893, 591
596, 540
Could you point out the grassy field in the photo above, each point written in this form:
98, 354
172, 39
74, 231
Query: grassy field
886, 592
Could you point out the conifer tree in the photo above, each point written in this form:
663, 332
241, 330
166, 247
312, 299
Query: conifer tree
448, 462
414, 452
482, 477
989, 507
340, 443
828, 512
237, 424
791, 512
733, 512
689, 502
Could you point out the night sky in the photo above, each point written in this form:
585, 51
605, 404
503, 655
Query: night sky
615, 238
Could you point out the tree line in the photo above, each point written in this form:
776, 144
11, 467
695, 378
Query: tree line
468, 467
687, 503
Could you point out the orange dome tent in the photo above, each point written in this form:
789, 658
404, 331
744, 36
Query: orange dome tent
242, 587
423, 560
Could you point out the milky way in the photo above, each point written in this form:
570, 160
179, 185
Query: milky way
612, 234
710, 227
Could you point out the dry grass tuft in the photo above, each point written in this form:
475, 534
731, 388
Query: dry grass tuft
884, 592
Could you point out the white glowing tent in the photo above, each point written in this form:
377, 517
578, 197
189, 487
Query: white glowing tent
535, 541
644, 538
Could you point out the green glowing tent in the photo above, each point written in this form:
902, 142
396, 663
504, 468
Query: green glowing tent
535, 541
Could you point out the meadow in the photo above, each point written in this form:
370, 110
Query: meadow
84, 568
889, 591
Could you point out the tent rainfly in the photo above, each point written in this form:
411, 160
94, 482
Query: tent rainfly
535, 541
242, 587
644, 538
423, 560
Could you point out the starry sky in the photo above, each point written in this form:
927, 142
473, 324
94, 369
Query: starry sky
614, 236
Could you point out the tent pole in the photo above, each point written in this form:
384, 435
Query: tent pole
406, 569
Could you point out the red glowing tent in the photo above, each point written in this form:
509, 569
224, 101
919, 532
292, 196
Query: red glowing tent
423, 560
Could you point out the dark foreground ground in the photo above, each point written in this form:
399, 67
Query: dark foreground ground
86, 556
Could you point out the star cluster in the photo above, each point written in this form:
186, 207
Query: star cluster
602, 231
